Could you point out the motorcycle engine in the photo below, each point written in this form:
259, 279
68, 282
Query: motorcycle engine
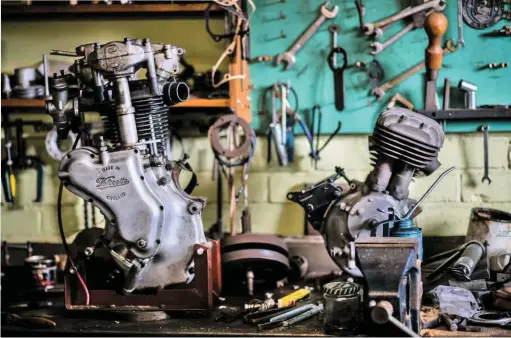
152, 223
404, 145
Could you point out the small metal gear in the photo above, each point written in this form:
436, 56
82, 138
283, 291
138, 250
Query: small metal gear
344, 289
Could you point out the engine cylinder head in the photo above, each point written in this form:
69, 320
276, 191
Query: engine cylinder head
405, 143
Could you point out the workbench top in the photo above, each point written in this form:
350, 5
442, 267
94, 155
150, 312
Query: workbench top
75, 323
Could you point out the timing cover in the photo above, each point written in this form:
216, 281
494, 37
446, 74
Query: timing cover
136, 207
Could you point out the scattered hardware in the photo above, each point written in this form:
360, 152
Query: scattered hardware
489, 225
504, 31
341, 301
461, 261
484, 14
289, 56
134, 113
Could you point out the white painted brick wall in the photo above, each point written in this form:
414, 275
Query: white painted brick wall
446, 211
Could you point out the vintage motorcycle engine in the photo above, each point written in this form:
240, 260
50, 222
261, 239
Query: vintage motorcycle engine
404, 145
152, 224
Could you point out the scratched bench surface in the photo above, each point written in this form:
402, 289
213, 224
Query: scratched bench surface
313, 79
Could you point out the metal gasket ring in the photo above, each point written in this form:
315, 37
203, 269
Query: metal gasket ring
222, 123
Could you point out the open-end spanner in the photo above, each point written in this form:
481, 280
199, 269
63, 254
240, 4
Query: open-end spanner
437, 5
289, 56
380, 47
378, 32
461, 42
334, 29
380, 91
486, 176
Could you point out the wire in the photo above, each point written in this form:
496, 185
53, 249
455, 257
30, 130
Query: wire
63, 237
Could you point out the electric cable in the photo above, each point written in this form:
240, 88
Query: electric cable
63, 236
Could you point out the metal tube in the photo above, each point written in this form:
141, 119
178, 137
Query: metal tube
125, 113
46, 85
62, 53
292, 313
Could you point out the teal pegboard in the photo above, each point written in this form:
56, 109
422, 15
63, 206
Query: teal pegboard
313, 80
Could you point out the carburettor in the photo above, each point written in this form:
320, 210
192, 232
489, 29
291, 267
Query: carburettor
152, 225
404, 144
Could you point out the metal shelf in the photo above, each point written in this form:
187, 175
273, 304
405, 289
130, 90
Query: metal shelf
19, 11
191, 103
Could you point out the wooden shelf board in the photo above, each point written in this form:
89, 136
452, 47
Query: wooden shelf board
10, 10
191, 103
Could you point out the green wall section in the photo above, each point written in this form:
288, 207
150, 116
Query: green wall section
315, 85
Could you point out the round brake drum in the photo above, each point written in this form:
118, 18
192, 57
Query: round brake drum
265, 255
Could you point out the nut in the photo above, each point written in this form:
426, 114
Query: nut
141, 243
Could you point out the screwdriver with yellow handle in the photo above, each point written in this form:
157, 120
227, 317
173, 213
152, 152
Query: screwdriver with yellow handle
9, 180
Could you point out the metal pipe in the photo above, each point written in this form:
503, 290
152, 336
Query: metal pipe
46, 85
125, 113
62, 53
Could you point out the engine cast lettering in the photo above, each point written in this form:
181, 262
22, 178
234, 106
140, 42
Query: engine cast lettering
110, 182
115, 198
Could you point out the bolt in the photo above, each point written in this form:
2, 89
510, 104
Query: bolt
200, 251
372, 303
370, 200
337, 193
127, 40
88, 251
162, 181
141, 243
360, 212
310, 207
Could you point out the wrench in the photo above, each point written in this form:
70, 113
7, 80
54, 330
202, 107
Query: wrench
486, 176
378, 32
289, 56
460, 24
437, 5
380, 47
380, 91
334, 29
361, 13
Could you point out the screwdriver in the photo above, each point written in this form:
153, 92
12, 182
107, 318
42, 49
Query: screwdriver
12, 178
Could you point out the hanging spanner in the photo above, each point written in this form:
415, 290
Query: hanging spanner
437, 5
460, 24
289, 57
380, 47
334, 29
380, 91
486, 176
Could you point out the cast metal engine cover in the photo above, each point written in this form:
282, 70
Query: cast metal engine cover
404, 144
152, 225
